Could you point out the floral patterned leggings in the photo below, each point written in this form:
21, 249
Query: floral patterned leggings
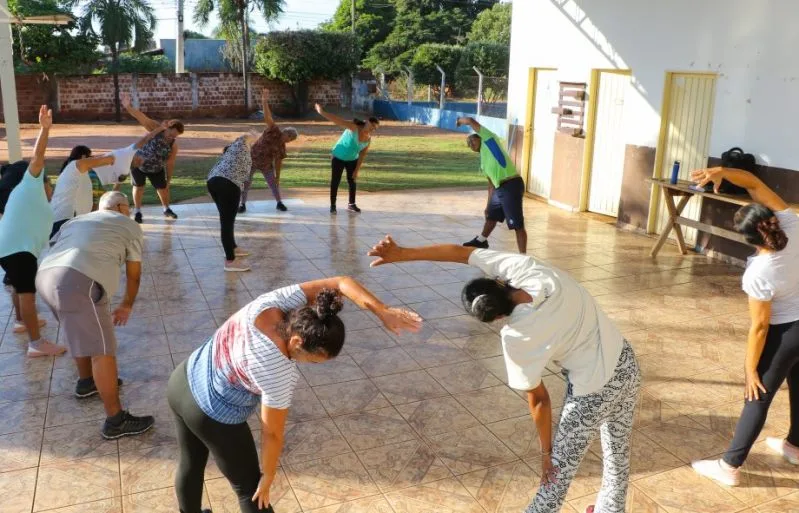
610, 414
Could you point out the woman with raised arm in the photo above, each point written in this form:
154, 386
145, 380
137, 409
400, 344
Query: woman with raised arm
250, 364
771, 281
268, 153
74, 194
348, 153
550, 317
24, 230
158, 158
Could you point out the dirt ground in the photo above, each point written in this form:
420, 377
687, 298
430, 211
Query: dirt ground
203, 137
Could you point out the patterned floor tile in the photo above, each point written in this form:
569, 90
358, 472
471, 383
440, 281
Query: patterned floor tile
56, 486
349, 397
445, 496
471, 449
403, 465
409, 387
374, 428
330, 481
436, 416
17, 488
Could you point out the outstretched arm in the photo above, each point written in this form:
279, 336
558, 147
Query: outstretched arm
270, 122
170, 162
146, 122
86, 165
473, 124
45, 122
152, 133
336, 120
395, 319
387, 251
760, 192
361, 158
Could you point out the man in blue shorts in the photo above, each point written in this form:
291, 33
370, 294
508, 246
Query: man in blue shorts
505, 186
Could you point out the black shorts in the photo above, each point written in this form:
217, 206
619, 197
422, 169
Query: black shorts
139, 179
506, 204
20, 271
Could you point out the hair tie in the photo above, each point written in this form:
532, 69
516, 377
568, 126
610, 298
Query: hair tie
475, 300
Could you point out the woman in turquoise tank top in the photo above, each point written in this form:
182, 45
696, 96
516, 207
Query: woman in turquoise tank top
348, 153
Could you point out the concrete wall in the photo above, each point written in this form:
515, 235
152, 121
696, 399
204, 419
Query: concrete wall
749, 44
90, 97
445, 119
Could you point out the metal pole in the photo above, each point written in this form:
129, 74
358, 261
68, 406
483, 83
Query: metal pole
429, 93
479, 90
441, 101
9, 88
410, 86
179, 68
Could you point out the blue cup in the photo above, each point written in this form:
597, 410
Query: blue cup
675, 172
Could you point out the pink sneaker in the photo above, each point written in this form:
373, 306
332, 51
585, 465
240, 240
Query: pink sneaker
45, 348
20, 328
784, 449
718, 471
589, 509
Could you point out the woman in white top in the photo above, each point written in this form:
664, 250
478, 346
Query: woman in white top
73, 192
771, 281
549, 317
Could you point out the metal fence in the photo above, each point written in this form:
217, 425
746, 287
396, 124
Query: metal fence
473, 94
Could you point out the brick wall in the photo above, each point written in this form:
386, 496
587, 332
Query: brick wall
90, 97
32, 92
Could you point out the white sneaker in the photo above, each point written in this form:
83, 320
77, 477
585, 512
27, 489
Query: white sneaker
784, 449
233, 267
714, 469
20, 328
45, 348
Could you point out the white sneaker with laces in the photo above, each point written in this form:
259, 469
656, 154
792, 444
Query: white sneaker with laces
717, 471
784, 449
234, 267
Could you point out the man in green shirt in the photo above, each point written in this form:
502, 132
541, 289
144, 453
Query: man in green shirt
505, 186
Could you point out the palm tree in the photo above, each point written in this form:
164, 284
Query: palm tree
236, 13
123, 24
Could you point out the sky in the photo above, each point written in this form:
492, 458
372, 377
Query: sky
297, 14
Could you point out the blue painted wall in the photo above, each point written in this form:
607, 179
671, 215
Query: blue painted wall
424, 114
199, 54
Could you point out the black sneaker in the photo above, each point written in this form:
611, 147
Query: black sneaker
168, 213
474, 243
130, 425
280, 206
352, 207
82, 391
138, 217
333, 209
242, 208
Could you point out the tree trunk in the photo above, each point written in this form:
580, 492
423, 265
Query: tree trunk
245, 44
115, 71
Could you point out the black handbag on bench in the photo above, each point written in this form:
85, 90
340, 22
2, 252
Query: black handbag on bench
737, 159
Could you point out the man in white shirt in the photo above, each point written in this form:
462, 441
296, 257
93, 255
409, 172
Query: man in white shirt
552, 318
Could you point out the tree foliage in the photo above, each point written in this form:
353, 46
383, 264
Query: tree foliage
123, 25
296, 57
374, 21
493, 25
137, 63
191, 34
423, 21
50, 48
428, 55
492, 59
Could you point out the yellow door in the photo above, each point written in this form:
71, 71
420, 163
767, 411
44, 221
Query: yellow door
545, 123
607, 160
685, 136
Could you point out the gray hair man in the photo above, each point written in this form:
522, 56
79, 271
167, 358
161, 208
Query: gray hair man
77, 279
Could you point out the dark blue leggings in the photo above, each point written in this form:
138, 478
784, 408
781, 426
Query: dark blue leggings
779, 361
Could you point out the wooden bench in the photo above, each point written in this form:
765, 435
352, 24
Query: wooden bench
685, 191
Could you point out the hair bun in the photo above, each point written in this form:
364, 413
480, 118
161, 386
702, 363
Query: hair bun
328, 303
774, 237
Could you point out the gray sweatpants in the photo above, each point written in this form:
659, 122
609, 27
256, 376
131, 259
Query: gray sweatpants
82, 309
610, 414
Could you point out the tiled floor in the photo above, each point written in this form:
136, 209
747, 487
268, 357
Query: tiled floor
411, 424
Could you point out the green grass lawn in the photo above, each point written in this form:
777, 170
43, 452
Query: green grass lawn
394, 162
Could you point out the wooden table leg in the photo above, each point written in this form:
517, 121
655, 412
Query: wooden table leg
674, 213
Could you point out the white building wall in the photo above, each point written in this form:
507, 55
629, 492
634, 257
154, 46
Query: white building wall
751, 44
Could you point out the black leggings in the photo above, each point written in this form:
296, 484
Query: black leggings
226, 195
780, 361
232, 445
338, 169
